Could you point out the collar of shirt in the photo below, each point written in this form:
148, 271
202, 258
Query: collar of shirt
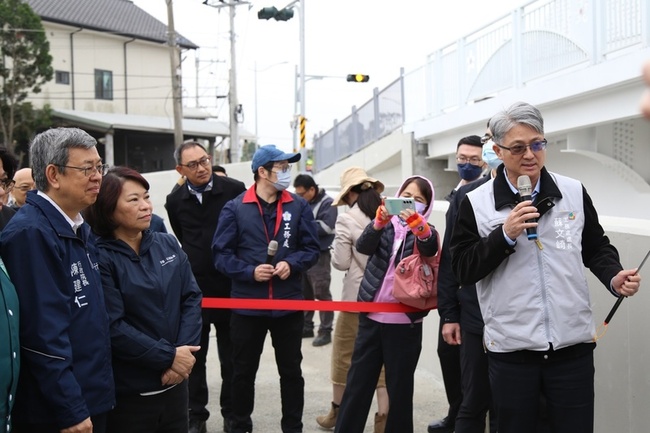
74, 223
199, 195
516, 191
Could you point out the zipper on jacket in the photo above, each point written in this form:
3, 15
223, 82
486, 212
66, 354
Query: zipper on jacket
544, 296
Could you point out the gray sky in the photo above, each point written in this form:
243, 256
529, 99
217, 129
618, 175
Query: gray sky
374, 37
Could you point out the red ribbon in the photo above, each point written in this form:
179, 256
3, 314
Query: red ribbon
300, 305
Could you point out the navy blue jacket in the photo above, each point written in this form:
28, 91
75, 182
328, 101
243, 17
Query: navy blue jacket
66, 373
154, 305
241, 241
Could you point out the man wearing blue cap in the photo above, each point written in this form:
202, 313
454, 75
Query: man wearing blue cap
266, 212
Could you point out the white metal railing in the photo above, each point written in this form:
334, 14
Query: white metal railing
538, 39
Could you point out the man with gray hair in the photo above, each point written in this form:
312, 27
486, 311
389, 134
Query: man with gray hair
539, 331
66, 379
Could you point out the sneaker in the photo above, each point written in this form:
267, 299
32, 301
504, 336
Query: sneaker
322, 339
307, 333
197, 426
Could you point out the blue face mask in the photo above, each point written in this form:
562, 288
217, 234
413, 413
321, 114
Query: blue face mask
284, 180
489, 156
468, 171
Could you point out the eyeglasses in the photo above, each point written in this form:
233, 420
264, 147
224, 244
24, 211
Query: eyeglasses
473, 160
24, 188
281, 168
520, 149
7, 184
194, 165
486, 138
89, 171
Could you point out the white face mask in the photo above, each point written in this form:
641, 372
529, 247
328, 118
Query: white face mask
489, 156
420, 207
284, 180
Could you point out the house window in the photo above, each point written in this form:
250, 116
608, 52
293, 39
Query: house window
103, 84
62, 77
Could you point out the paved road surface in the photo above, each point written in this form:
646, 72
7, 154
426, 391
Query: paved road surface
429, 399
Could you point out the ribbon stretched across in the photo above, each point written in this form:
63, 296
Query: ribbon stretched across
300, 305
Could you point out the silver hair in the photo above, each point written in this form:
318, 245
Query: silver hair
53, 147
519, 113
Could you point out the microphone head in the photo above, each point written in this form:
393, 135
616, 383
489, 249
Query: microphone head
524, 186
273, 248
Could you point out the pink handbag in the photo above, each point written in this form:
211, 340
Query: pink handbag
416, 279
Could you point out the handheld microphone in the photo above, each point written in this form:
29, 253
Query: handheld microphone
525, 191
270, 252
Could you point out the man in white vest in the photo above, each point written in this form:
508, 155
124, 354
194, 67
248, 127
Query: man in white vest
527, 258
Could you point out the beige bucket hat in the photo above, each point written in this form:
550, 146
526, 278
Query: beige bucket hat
352, 177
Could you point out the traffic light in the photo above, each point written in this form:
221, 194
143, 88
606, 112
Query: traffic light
267, 13
273, 12
284, 15
358, 78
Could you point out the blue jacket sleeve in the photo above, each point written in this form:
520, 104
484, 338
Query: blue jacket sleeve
191, 296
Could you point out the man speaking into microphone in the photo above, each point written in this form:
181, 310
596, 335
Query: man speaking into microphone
526, 252
265, 240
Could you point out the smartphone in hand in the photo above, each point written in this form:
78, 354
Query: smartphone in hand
395, 205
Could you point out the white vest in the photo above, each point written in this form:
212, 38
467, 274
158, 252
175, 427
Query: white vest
537, 296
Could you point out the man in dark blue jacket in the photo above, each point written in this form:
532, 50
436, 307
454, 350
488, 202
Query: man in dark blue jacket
66, 380
316, 281
247, 224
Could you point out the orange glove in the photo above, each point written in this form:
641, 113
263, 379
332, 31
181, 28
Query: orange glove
419, 226
381, 217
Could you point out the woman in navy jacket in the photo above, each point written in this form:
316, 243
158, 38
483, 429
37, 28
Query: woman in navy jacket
154, 307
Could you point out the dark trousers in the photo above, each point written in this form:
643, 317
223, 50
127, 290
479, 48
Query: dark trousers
567, 384
99, 426
475, 386
397, 347
316, 285
449, 357
248, 334
198, 384
159, 413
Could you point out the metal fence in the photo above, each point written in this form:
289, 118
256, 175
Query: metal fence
541, 38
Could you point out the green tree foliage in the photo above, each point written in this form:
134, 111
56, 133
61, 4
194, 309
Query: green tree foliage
25, 65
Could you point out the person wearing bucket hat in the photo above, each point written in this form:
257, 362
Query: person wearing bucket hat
248, 226
361, 193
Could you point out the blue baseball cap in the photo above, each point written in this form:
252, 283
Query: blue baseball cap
270, 153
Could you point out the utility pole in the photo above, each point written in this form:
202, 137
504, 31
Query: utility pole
234, 126
177, 102
235, 151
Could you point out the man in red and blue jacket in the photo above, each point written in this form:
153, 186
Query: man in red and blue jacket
247, 224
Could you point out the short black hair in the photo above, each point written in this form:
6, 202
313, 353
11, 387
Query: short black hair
305, 181
471, 140
219, 168
9, 162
